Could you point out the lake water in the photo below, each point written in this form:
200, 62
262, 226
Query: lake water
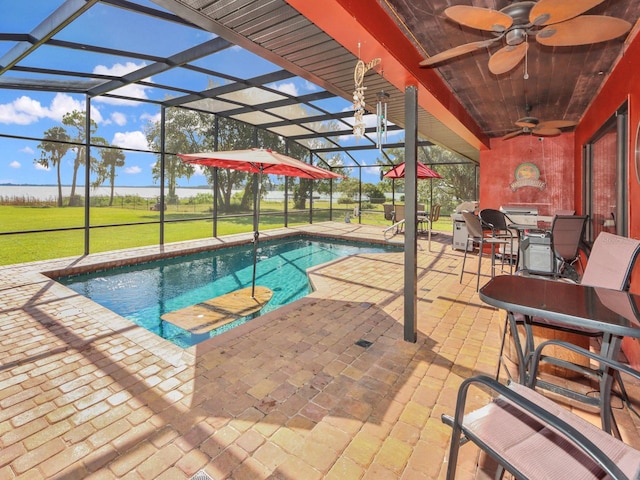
50, 192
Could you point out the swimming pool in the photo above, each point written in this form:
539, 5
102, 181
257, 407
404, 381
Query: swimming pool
143, 293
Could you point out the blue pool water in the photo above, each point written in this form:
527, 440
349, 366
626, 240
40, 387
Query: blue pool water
144, 292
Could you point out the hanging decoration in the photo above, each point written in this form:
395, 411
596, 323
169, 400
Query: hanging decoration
358, 94
381, 118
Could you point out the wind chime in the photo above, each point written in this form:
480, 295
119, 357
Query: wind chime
381, 119
359, 104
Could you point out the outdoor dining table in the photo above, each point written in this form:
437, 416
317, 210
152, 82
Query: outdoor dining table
612, 312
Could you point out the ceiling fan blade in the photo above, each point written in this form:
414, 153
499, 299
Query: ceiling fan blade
546, 132
513, 134
583, 30
507, 58
557, 124
529, 122
455, 52
480, 18
547, 12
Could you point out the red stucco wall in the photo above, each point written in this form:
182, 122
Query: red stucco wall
552, 155
622, 85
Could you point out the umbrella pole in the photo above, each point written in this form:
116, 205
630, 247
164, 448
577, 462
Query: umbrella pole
393, 201
256, 227
430, 209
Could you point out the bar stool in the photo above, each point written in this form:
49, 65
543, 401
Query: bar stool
476, 237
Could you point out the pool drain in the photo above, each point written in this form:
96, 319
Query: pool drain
364, 343
201, 475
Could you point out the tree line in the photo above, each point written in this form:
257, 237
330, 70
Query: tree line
189, 131
186, 131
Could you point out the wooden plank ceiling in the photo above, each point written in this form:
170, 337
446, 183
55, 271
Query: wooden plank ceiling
562, 80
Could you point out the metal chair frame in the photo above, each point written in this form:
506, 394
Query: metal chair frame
476, 235
499, 222
567, 235
570, 436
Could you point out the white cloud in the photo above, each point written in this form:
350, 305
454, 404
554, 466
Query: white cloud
25, 110
150, 118
288, 88
96, 116
119, 119
135, 140
132, 170
134, 91
372, 170
199, 170
62, 104
15, 164
312, 87
28, 150
39, 166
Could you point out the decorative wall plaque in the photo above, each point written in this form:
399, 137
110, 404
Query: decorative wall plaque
527, 175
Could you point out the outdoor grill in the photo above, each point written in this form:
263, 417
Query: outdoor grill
460, 233
535, 244
521, 214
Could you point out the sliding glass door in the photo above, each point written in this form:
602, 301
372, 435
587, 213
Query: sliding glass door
605, 178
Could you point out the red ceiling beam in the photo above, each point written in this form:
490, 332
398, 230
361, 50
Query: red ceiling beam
366, 30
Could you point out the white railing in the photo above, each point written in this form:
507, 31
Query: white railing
394, 229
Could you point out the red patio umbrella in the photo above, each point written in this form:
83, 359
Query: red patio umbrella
423, 171
258, 161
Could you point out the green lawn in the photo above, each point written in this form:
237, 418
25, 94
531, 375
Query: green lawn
19, 248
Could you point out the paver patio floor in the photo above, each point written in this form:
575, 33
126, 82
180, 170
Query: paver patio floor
85, 393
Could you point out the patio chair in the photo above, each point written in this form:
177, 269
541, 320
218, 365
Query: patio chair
476, 236
398, 216
434, 216
498, 222
388, 212
567, 232
425, 222
531, 436
401, 215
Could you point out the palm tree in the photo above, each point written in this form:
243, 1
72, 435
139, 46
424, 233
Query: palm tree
112, 158
54, 146
77, 120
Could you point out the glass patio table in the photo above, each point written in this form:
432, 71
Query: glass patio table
612, 312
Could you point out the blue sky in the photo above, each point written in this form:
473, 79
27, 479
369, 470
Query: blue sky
30, 113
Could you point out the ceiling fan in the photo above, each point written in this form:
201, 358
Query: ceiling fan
532, 125
555, 23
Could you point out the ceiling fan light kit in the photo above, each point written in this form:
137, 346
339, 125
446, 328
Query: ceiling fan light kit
531, 125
